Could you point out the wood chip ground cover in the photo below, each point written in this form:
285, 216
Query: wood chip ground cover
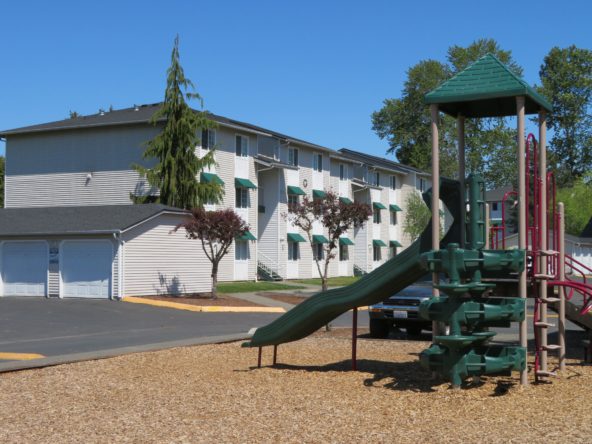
214, 394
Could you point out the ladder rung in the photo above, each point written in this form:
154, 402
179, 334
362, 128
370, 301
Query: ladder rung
543, 324
548, 252
551, 347
545, 373
549, 300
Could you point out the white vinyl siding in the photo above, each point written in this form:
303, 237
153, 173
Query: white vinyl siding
158, 261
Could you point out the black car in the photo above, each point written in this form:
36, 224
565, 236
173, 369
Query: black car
400, 310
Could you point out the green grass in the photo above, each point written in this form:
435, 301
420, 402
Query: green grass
332, 282
247, 286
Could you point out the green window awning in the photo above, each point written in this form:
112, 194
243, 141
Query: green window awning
211, 178
248, 236
319, 194
378, 206
394, 208
378, 243
244, 183
346, 200
295, 237
319, 239
395, 243
296, 191
345, 241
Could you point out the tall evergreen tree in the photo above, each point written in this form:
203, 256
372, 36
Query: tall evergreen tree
177, 167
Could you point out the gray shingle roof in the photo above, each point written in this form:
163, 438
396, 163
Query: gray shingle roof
76, 220
496, 195
378, 161
141, 114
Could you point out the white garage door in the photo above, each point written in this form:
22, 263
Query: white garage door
85, 268
24, 268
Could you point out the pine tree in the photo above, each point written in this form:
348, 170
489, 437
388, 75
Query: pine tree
177, 167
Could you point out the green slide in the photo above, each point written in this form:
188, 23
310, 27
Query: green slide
391, 277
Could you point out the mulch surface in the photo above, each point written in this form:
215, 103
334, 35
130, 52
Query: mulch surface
223, 300
215, 394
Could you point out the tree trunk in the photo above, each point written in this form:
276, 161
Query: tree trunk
214, 293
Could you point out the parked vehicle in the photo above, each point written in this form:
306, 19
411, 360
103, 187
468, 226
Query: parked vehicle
400, 310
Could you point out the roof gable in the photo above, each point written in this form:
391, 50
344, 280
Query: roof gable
486, 88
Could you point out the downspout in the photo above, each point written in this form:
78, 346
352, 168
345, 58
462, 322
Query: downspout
120, 243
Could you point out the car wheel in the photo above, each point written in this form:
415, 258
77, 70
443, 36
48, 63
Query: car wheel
414, 331
379, 328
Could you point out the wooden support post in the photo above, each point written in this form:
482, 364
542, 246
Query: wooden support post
435, 202
259, 358
354, 338
460, 129
543, 232
561, 268
520, 112
274, 354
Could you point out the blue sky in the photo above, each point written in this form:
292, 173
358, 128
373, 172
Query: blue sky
311, 69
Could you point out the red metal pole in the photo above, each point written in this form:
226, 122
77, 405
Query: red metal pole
259, 358
354, 339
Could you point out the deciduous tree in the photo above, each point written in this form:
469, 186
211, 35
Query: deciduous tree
336, 217
216, 230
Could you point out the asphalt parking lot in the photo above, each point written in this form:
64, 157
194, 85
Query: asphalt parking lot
83, 328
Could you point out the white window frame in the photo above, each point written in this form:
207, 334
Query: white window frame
393, 218
343, 253
211, 142
393, 182
318, 252
244, 145
241, 250
317, 162
342, 171
376, 253
242, 198
376, 218
375, 179
293, 251
293, 156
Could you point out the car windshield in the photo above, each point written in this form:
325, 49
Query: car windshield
421, 291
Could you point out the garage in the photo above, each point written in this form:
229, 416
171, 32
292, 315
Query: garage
24, 268
85, 268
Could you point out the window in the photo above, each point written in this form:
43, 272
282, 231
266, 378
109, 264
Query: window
241, 250
375, 178
208, 138
293, 156
393, 218
377, 253
376, 216
318, 251
293, 199
242, 146
242, 198
494, 206
420, 184
293, 251
317, 162
393, 251
393, 182
343, 253
342, 172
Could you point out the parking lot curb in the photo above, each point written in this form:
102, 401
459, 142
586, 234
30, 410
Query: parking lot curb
202, 308
111, 353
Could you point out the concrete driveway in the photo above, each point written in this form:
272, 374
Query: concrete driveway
65, 330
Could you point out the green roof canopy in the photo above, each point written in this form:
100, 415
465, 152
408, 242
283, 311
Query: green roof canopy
394, 208
486, 88
319, 194
345, 241
346, 200
319, 239
244, 183
378, 206
378, 243
296, 190
211, 178
248, 236
295, 237
395, 243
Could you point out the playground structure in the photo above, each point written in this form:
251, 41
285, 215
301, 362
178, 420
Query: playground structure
485, 288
